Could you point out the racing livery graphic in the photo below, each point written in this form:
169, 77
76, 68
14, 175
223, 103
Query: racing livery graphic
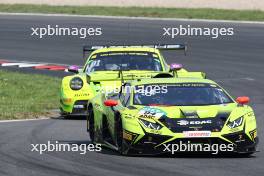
150, 113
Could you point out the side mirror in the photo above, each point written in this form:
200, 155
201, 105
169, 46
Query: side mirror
73, 69
88, 78
242, 100
110, 103
175, 67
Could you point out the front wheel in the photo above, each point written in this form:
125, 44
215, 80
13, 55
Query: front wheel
119, 135
90, 125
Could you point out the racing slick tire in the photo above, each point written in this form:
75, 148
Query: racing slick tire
90, 124
119, 135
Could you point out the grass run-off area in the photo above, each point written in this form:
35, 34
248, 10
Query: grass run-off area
27, 95
249, 15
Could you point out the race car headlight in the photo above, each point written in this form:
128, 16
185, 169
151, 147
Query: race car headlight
76, 83
148, 124
235, 123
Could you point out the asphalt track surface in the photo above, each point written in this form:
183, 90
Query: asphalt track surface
235, 62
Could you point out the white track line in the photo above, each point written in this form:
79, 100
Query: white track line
26, 65
137, 18
10, 64
21, 120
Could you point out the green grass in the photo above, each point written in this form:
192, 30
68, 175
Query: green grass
27, 95
140, 12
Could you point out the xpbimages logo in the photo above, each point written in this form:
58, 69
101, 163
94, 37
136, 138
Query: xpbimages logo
197, 147
83, 32
65, 147
188, 30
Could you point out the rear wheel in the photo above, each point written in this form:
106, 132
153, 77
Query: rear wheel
90, 124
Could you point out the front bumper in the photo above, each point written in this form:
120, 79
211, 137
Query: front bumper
78, 108
153, 144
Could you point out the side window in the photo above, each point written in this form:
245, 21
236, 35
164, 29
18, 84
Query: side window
121, 94
126, 99
86, 65
93, 65
166, 67
89, 61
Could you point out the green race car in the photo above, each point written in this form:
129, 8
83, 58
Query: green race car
154, 116
105, 67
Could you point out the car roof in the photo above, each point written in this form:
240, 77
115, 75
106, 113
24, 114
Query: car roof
170, 81
121, 49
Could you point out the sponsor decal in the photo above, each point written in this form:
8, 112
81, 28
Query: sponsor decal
183, 122
81, 95
123, 53
193, 134
127, 136
193, 122
152, 113
253, 134
191, 114
191, 85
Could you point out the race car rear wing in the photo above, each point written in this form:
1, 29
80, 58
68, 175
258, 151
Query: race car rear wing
89, 48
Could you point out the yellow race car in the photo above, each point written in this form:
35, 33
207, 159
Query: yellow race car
172, 115
106, 68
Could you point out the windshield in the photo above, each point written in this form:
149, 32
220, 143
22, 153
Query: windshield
186, 94
124, 61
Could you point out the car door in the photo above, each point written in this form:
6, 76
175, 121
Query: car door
112, 112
